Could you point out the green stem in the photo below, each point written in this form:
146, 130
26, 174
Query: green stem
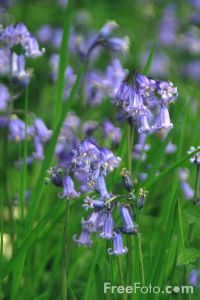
65, 252
130, 238
196, 189
141, 259
122, 281
25, 152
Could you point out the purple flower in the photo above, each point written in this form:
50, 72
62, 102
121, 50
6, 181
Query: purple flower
194, 278
107, 230
116, 44
163, 119
91, 203
84, 239
39, 151
91, 224
171, 148
168, 27
55, 176
187, 190
89, 127
118, 248
108, 161
144, 126
108, 28
101, 187
167, 92
18, 71
41, 131
45, 34
111, 132
4, 97
128, 224
32, 48
16, 129
69, 190
5, 61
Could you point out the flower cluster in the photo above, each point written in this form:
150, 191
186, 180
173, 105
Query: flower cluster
88, 164
145, 103
17, 44
74, 127
37, 131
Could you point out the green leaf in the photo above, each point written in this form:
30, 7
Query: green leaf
150, 59
188, 256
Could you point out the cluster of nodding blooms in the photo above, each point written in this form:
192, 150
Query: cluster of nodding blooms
144, 102
17, 43
88, 165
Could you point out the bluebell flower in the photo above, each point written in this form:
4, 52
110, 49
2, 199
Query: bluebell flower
91, 224
4, 97
41, 130
108, 225
111, 132
45, 33
116, 44
56, 176
128, 224
163, 119
126, 179
122, 96
171, 148
167, 92
68, 188
108, 161
194, 278
91, 203
3, 121
187, 190
168, 26
16, 129
18, 71
118, 248
89, 128
84, 239
101, 187
32, 48
108, 28
5, 61
39, 151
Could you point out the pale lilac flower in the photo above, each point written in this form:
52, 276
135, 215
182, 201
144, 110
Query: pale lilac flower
107, 230
118, 248
117, 44
4, 97
128, 224
108, 28
91, 224
5, 55
18, 71
84, 239
16, 129
194, 278
68, 188
111, 132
